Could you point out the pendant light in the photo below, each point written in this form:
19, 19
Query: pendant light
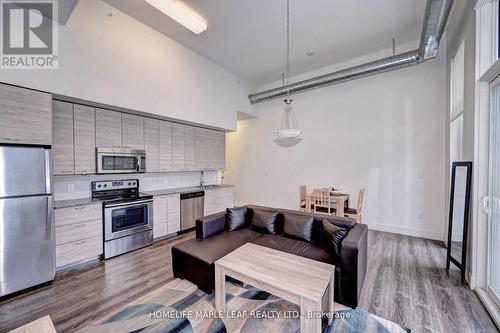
289, 128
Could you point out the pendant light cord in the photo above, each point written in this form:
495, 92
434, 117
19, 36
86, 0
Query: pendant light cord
287, 49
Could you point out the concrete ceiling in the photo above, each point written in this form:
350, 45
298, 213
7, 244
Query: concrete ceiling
247, 37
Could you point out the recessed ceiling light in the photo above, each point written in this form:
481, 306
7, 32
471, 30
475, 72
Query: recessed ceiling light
310, 53
180, 13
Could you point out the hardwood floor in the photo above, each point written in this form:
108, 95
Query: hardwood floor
405, 282
81, 295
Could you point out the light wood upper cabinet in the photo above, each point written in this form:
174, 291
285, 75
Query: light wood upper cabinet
201, 148
213, 150
84, 137
189, 148
222, 151
62, 147
108, 132
165, 151
25, 116
151, 143
178, 147
132, 131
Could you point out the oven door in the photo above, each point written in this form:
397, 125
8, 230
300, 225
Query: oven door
127, 218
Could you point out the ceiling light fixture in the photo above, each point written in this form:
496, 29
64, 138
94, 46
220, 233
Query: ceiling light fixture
180, 13
289, 128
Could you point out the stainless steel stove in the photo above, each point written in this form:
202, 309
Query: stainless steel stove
128, 215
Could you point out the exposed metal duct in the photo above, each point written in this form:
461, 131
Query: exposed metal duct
436, 15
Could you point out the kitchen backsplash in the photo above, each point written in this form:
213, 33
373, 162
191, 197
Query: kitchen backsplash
74, 187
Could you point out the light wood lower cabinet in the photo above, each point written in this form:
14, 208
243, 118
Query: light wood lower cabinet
173, 213
160, 216
166, 215
217, 200
78, 234
77, 251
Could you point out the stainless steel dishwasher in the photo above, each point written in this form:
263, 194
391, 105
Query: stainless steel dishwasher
191, 208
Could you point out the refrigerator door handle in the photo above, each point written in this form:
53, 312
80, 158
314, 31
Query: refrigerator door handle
49, 222
48, 172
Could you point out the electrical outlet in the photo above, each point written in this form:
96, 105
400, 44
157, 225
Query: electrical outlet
71, 187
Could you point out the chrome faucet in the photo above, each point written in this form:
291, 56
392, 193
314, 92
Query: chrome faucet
202, 179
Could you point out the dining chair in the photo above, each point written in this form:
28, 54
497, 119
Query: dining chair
302, 197
321, 201
356, 213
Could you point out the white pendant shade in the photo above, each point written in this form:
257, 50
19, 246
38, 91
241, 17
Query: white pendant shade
288, 133
289, 128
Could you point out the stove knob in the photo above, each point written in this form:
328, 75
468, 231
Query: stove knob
98, 185
129, 184
105, 185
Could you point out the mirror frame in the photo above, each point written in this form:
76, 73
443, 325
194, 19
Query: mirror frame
461, 265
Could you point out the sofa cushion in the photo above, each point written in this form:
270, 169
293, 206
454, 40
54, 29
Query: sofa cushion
215, 247
236, 218
334, 236
298, 226
264, 222
295, 246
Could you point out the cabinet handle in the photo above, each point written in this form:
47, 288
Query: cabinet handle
80, 208
10, 139
81, 242
80, 225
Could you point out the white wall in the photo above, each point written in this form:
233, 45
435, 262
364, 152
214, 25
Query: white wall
119, 61
384, 133
147, 182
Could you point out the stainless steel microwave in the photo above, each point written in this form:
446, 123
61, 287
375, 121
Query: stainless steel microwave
120, 160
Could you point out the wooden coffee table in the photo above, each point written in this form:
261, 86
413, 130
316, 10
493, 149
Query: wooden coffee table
305, 282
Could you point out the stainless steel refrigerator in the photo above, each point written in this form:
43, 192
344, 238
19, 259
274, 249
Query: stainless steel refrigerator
27, 238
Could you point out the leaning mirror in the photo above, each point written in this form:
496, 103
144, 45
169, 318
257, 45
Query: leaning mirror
461, 173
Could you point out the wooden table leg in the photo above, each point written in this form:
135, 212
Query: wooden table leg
311, 316
331, 301
340, 207
220, 288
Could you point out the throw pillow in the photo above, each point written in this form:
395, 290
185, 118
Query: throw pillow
264, 222
334, 236
298, 226
235, 218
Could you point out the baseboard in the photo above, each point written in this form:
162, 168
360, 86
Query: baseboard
490, 305
422, 233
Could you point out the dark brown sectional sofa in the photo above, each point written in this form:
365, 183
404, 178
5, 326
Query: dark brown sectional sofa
194, 259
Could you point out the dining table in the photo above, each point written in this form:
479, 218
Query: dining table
341, 201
